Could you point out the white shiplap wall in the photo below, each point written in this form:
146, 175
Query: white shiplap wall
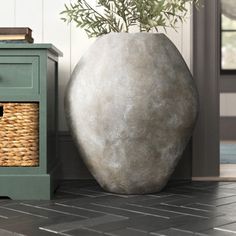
228, 104
42, 16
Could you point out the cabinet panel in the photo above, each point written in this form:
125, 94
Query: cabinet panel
19, 75
24, 80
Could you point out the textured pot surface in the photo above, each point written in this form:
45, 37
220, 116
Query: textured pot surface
131, 105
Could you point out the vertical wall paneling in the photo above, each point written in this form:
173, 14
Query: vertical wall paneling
223, 105
29, 14
228, 104
173, 35
79, 41
7, 13
79, 44
181, 37
206, 75
57, 32
186, 39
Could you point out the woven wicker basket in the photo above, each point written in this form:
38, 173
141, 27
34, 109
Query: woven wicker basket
19, 134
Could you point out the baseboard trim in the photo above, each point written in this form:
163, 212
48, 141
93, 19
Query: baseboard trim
73, 167
214, 178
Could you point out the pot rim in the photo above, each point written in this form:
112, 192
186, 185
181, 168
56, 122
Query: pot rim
133, 34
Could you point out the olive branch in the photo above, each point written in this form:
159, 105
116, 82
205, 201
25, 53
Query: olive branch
120, 15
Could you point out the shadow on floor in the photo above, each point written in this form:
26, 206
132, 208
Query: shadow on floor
82, 208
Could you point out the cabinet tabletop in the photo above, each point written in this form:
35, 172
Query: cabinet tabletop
47, 46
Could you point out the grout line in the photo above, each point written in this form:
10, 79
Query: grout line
137, 230
156, 234
133, 211
79, 194
23, 212
160, 196
181, 230
64, 234
107, 194
185, 207
78, 224
49, 230
7, 232
165, 204
92, 230
4, 217
225, 230
205, 204
52, 210
87, 209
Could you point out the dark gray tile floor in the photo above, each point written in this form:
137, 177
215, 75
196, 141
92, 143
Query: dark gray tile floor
82, 208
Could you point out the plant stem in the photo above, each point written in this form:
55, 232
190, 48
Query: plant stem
124, 17
106, 20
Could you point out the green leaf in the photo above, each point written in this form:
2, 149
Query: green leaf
120, 15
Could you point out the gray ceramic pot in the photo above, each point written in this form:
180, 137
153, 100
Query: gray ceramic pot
131, 105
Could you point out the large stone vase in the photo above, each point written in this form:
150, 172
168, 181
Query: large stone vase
131, 105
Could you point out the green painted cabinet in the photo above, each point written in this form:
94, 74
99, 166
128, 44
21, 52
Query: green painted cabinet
29, 73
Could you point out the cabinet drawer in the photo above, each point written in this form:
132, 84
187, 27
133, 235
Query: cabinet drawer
19, 75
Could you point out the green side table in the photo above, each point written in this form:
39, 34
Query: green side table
29, 73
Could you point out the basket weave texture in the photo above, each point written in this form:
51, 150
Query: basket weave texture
19, 134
